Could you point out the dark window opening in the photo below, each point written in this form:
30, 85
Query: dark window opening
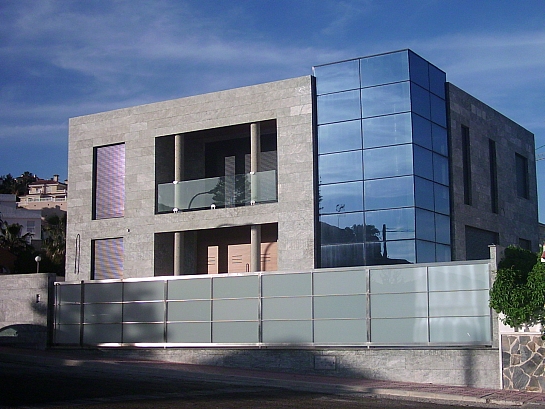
466, 152
521, 165
493, 176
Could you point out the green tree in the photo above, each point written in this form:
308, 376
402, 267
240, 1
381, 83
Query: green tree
16, 186
519, 289
54, 241
11, 238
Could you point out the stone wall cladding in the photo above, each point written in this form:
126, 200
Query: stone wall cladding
289, 102
20, 310
461, 367
523, 362
517, 217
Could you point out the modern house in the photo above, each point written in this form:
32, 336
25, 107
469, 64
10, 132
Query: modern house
30, 220
370, 161
47, 195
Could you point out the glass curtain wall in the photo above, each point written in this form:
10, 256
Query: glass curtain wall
383, 172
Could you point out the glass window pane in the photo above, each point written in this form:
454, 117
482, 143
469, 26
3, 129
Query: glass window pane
235, 287
442, 228
443, 253
438, 110
341, 136
398, 280
388, 193
461, 277
104, 292
189, 289
337, 77
245, 309
390, 252
383, 69
190, 332
235, 332
437, 81
407, 331
424, 193
425, 225
189, 310
144, 291
397, 224
101, 333
340, 167
341, 106
423, 163
422, 131
342, 255
420, 101
143, 332
425, 251
442, 201
342, 228
387, 162
440, 169
386, 130
385, 99
419, 70
341, 198
440, 140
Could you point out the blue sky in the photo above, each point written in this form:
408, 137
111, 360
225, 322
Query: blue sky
65, 58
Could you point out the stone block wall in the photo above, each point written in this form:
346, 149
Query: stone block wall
523, 362
25, 311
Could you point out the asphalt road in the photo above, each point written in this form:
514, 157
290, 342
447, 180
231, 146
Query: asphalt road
36, 386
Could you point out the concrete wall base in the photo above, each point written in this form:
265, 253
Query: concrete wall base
464, 367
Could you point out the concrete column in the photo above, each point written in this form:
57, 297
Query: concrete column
255, 236
255, 240
178, 177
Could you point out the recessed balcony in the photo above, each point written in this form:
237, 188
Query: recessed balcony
217, 192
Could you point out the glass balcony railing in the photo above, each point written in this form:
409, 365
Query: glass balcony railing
224, 191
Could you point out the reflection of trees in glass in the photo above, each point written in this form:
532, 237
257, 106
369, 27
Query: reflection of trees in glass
231, 190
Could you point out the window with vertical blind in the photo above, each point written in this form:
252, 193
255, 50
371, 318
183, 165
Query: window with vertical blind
109, 182
107, 259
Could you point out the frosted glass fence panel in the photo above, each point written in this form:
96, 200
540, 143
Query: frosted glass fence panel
401, 306
287, 332
189, 332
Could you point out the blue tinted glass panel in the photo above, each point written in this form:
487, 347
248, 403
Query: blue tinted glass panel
391, 252
340, 167
442, 200
388, 193
387, 162
443, 253
342, 255
440, 169
421, 131
341, 136
425, 225
337, 77
425, 251
423, 162
399, 224
341, 106
440, 140
420, 101
341, 197
386, 130
384, 69
386, 99
424, 193
442, 228
419, 70
438, 110
341, 228
437, 81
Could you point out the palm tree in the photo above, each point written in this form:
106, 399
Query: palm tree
11, 238
54, 242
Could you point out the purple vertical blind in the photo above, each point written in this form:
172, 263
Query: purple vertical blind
110, 182
108, 259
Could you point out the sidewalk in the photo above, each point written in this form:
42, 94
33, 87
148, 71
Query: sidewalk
237, 376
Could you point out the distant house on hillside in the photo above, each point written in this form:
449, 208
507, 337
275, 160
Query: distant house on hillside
47, 195
31, 220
